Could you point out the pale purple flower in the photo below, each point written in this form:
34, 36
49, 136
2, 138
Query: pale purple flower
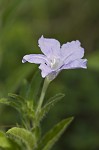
56, 58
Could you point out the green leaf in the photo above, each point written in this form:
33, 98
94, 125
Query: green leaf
23, 135
53, 135
4, 101
23, 106
6, 143
51, 102
11, 103
18, 98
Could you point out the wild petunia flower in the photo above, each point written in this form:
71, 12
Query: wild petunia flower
56, 58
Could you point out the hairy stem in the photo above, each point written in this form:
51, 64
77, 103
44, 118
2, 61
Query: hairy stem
45, 86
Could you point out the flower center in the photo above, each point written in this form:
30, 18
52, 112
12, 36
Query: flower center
55, 63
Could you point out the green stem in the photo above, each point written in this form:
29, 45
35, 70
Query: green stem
45, 86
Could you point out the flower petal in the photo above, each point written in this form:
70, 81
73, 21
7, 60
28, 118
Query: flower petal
50, 47
35, 58
72, 51
79, 63
45, 70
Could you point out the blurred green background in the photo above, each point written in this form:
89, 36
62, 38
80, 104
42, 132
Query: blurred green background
22, 22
